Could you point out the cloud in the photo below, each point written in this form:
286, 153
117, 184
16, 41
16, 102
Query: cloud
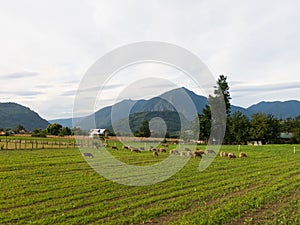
22, 93
69, 93
255, 42
244, 87
19, 75
43, 86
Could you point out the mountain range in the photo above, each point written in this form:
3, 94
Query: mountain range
166, 106
178, 97
13, 114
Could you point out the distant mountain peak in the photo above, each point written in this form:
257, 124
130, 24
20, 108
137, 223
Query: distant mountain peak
178, 97
12, 114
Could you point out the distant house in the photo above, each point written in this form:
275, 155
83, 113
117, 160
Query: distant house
98, 133
255, 143
286, 135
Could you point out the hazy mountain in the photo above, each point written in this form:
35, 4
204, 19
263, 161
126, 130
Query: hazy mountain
13, 114
179, 100
169, 121
279, 109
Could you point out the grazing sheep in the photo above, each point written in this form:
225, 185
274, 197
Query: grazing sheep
134, 149
88, 154
231, 155
198, 153
165, 145
174, 152
189, 154
162, 150
114, 147
155, 154
209, 151
186, 153
125, 147
223, 154
183, 153
242, 155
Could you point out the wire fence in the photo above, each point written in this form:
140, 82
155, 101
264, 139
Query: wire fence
47, 143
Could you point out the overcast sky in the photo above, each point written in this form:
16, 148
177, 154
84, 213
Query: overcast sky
46, 47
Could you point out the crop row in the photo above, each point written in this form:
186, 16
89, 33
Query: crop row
57, 186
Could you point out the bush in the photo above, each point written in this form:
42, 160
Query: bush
38, 133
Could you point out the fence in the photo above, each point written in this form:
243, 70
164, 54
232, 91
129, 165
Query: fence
31, 143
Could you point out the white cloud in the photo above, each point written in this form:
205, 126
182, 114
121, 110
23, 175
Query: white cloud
254, 42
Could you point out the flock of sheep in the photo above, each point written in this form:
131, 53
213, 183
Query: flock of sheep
232, 155
185, 152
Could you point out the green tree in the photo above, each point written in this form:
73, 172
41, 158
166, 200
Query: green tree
220, 109
18, 129
205, 124
144, 130
222, 89
54, 129
258, 127
78, 131
65, 131
238, 126
264, 128
38, 133
273, 128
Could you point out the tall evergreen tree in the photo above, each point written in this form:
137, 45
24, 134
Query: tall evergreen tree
145, 130
222, 88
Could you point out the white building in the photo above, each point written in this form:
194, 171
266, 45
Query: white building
98, 132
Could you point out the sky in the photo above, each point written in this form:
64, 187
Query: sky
47, 47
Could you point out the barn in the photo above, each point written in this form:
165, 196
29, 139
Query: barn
98, 133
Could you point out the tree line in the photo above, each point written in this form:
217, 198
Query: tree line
240, 129
55, 129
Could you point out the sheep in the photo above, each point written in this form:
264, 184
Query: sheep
223, 154
189, 154
187, 150
105, 145
155, 154
174, 152
242, 155
165, 145
231, 155
186, 153
198, 153
114, 147
183, 153
132, 149
152, 148
125, 147
88, 154
209, 151
162, 150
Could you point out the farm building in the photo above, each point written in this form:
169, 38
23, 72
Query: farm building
286, 135
255, 143
98, 133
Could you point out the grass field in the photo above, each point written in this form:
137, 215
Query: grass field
57, 186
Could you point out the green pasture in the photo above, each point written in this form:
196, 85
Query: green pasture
57, 186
